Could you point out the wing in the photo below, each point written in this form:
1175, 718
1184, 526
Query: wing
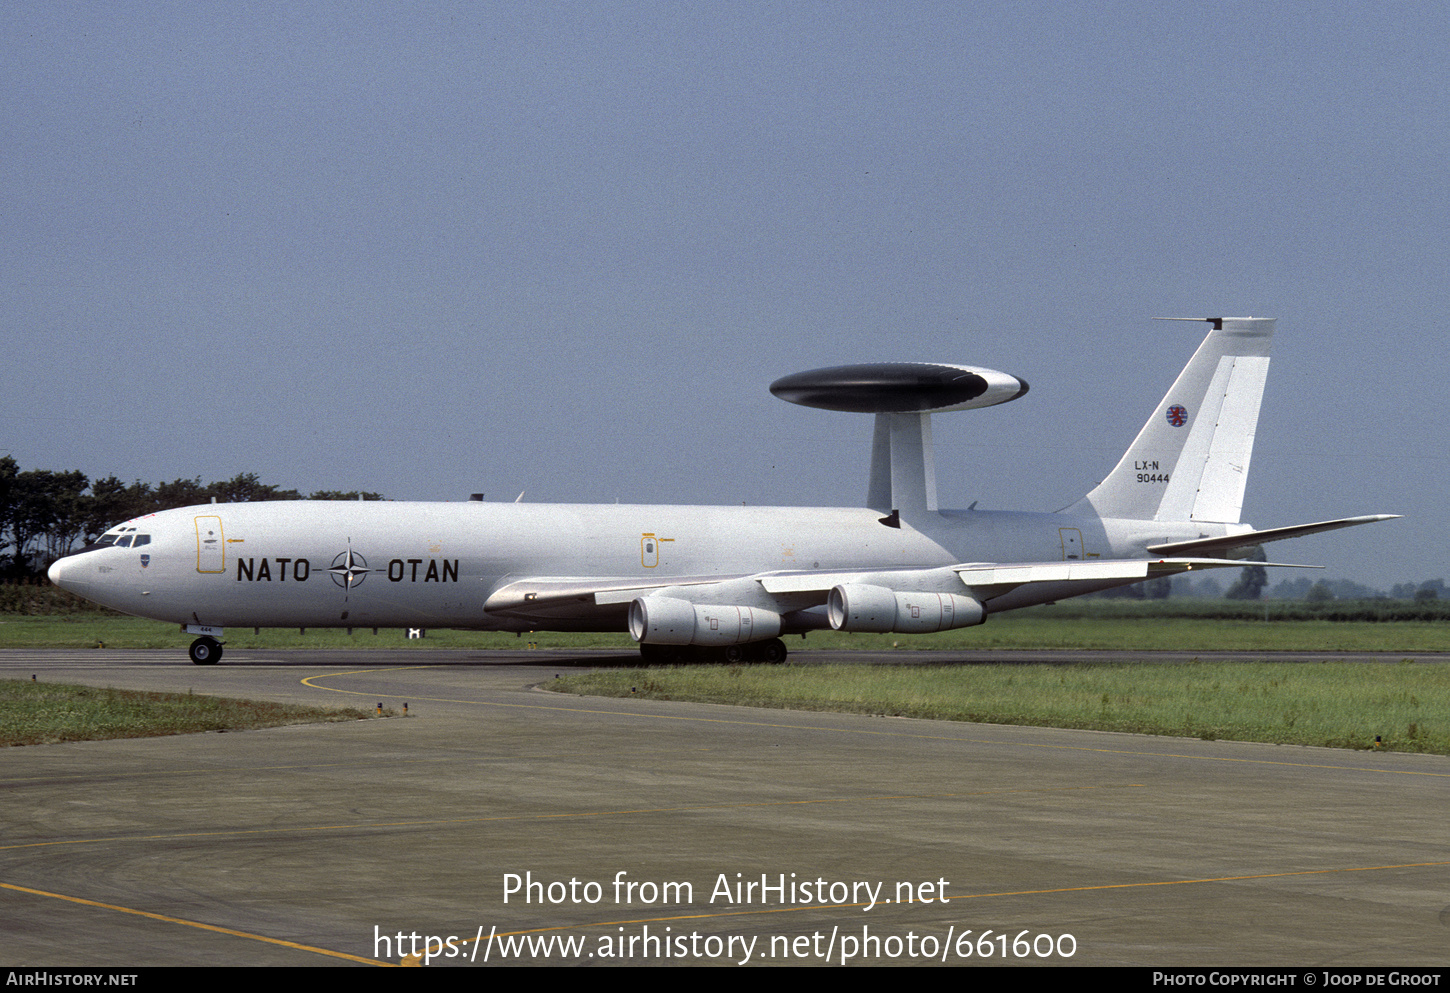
550, 598
797, 598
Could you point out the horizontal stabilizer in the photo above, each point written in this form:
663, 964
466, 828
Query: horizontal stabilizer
1020, 574
1248, 538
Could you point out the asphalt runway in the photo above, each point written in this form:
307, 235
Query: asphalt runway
878, 840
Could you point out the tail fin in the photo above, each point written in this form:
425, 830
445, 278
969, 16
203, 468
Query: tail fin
1191, 460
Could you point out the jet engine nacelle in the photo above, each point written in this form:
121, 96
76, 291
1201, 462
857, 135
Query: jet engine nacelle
857, 607
662, 620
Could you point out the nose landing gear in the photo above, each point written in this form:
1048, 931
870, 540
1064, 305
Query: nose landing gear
205, 651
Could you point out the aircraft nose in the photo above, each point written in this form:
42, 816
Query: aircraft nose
65, 573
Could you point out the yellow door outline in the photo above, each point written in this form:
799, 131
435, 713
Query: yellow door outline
211, 550
649, 549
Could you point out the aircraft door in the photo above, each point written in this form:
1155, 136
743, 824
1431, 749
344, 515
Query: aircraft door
1071, 543
211, 551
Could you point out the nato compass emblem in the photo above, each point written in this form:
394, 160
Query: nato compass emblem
1177, 415
349, 569
145, 561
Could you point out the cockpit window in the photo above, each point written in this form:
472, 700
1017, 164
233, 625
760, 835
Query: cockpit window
120, 538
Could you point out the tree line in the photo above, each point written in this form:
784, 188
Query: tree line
45, 514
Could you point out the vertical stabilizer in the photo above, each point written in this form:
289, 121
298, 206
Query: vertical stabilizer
1190, 462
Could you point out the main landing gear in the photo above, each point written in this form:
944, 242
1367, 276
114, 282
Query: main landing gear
205, 651
772, 652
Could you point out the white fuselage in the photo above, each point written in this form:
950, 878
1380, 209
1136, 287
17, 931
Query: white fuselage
386, 564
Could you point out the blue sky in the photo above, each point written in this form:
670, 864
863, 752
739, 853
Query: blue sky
564, 248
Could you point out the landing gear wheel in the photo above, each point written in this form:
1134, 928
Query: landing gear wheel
773, 651
205, 651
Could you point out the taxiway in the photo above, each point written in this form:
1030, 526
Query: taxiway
306, 845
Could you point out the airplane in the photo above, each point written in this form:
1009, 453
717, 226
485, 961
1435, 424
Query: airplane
725, 583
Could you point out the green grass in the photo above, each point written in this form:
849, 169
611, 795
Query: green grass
1334, 704
1031, 630
34, 713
